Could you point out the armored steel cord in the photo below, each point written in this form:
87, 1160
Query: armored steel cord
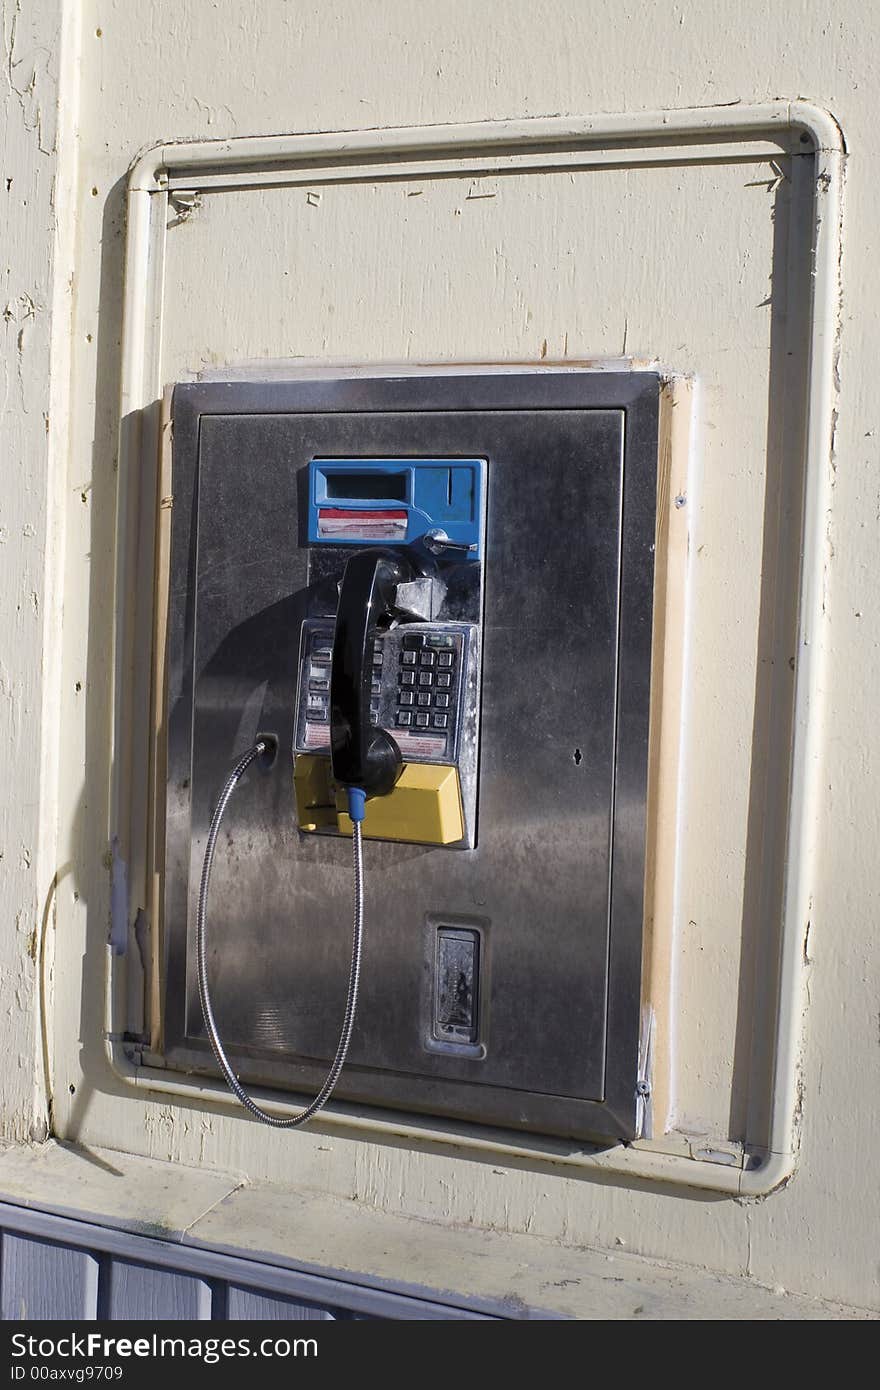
291, 1122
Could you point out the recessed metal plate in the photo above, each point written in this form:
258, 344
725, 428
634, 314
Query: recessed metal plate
558, 871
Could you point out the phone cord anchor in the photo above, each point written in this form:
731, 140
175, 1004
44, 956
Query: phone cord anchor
356, 800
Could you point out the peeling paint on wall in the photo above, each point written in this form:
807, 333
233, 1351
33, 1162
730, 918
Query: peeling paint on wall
28, 234
489, 268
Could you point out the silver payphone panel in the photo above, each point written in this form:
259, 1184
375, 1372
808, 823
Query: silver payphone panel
510, 665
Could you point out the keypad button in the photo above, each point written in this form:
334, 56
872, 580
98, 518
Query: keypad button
426, 677
375, 686
444, 679
441, 701
422, 720
424, 697
413, 640
446, 659
378, 658
427, 658
316, 708
407, 677
404, 716
440, 721
406, 697
409, 658
322, 683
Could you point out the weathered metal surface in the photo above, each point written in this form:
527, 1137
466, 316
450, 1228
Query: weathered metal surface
554, 885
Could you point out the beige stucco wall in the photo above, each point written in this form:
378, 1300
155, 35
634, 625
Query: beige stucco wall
686, 264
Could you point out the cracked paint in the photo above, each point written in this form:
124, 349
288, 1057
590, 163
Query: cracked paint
28, 226
796, 1236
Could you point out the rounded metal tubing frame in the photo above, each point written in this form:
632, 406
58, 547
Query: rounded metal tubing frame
688, 135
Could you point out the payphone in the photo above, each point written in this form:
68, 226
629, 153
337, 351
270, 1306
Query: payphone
389, 689
410, 621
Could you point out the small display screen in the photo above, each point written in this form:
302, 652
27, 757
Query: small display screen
360, 487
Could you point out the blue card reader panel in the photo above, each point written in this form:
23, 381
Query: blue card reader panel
395, 501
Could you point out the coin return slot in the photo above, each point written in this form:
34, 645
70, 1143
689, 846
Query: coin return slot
456, 985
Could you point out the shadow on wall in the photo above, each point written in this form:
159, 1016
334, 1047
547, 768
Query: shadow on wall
89, 870
770, 779
87, 874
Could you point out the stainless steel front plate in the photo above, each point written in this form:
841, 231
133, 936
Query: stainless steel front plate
554, 887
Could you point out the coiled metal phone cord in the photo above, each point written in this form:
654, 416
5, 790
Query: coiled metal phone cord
201, 950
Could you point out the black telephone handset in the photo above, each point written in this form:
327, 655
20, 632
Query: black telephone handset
362, 755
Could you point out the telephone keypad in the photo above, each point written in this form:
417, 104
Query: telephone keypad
435, 654
415, 687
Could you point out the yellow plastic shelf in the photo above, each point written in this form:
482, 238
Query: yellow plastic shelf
424, 806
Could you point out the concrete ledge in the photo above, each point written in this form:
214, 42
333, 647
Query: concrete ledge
488, 1272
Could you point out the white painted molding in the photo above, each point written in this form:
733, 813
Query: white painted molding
533, 145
